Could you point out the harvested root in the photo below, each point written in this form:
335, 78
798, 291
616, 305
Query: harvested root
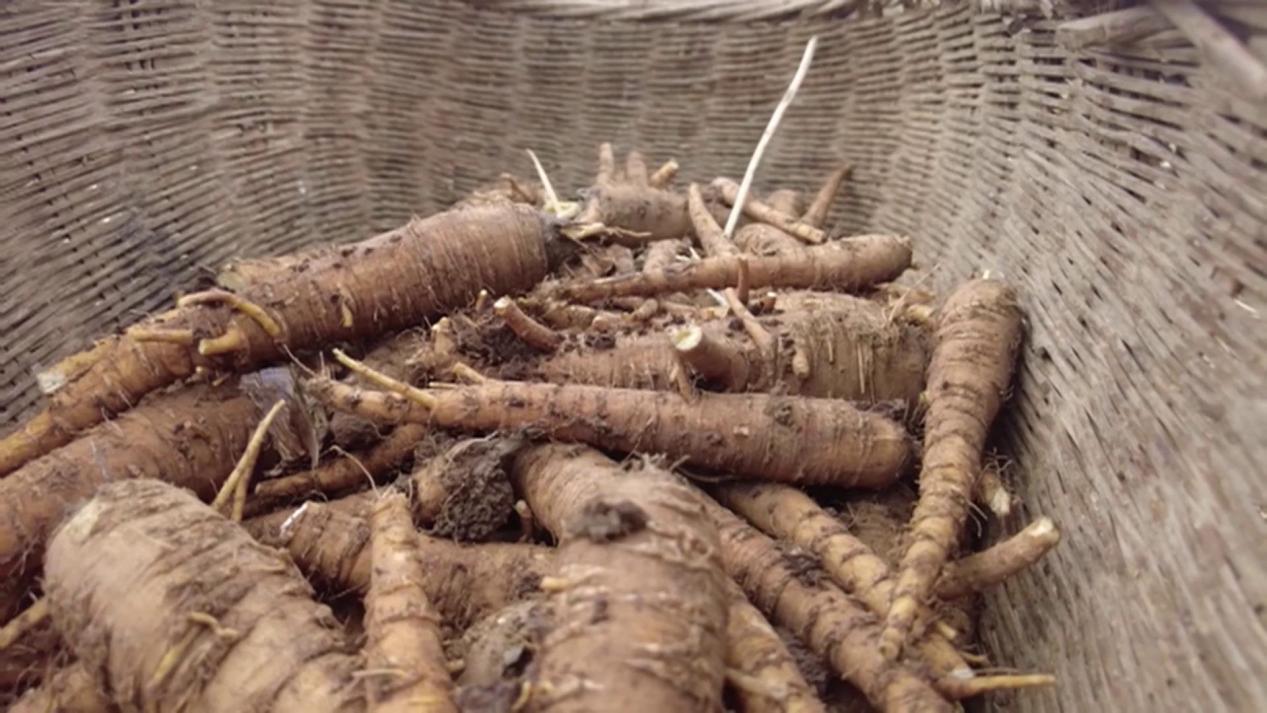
858, 449
845, 265
991, 566
759, 667
403, 653
661, 254
788, 514
338, 476
764, 239
707, 232
832, 346
632, 203
325, 296
764, 213
191, 438
639, 603
822, 616
176, 608
978, 334
465, 493
330, 543
816, 214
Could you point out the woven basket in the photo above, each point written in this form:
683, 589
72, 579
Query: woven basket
1115, 174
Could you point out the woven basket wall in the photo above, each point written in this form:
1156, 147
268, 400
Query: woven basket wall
1123, 189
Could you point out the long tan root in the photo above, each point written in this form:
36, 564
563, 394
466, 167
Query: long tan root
758, 210
344, 293
788, 514
759, 668
403, 651
978, 334
822, 616
341, 474
845, 265
816, 214
858, 449
330, 543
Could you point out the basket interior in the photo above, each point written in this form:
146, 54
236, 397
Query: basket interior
1121, 187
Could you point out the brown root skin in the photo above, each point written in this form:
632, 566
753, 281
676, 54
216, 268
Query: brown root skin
820, 207
628, 537
342, 473
707, 232
661, 254
403, 649
787, 514
752, 435
991, 566
497, 651
832, 346
175, 608
465, 493
843, 265
533, 333
71, 689
759, 668
764, 213
821, 615
345, 293
192, 438
330, 543
628, 201
763, 239
978, 334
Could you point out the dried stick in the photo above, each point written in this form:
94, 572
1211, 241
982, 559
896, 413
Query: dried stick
732, 221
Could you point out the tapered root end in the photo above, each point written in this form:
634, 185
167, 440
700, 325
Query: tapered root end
959, 688
229, 342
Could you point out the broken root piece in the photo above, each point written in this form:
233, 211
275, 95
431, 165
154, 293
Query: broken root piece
998, 562
530, 331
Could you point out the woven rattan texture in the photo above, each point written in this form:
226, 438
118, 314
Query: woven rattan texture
1123, 190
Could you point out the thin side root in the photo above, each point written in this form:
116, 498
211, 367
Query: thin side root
233, 340
960, 688
237, 302
184, 337
235, 485
759, 334
24, 622
377, 377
